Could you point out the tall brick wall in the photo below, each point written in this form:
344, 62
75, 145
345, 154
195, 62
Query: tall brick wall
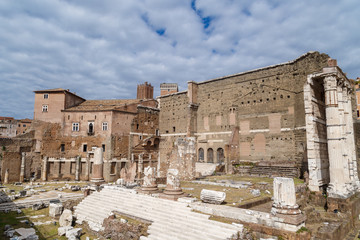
266, 104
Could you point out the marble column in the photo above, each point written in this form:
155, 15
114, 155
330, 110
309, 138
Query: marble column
98, 166
88, 166
349, 136
173, 183
6, 178
77, 168
149, 183
340, 185
22, 167
44, 169
140, 165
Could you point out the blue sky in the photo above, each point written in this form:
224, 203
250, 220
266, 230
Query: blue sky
103, 49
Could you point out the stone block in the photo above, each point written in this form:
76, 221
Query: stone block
73, 233
55, 209
66, 218
62, 230
211, 196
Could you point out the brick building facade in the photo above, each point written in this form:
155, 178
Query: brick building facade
253, 118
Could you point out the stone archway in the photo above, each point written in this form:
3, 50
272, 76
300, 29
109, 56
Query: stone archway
201, 155
220, 155
210, 155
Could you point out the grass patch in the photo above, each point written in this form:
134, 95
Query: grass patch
233, 195
45, 231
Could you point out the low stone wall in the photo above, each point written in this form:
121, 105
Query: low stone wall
247, 216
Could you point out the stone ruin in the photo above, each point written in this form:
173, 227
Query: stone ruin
284, 197
210, 196
97, 171
149, 183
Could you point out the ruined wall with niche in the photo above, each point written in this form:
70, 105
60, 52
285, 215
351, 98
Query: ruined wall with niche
266, 104
144, 138
10, 157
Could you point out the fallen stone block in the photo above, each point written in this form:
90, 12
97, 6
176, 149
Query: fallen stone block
214, 197
55, 209
66, 218
62, 230
255, 192
74, 233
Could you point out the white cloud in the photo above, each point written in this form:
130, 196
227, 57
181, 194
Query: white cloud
104, 49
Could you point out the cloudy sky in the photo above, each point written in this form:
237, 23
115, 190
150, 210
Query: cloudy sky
103, 49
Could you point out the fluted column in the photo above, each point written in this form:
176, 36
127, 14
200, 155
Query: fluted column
340, 186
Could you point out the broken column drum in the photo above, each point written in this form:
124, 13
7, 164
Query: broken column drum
214, 197
284, 197
149, 183
173, 183
97, 171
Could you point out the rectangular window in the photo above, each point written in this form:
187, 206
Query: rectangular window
62, 147
75, 127
174, 130
24, 125
44, 108
46, 96
103, 147
104, 126
157, 133
85, 148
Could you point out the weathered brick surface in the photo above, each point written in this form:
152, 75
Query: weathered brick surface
267, 104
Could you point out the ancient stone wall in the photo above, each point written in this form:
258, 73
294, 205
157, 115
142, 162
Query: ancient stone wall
10, 157
266, 104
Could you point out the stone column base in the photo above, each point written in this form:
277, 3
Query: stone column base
97, 180
285, 210
148, 189
173, 197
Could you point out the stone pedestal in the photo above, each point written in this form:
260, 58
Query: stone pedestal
149, 184
284, 197
22, 167
98, 166
173, 189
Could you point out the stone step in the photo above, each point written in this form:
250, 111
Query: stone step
173, 213
190, 220
192, 231
179, 208
169, 218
